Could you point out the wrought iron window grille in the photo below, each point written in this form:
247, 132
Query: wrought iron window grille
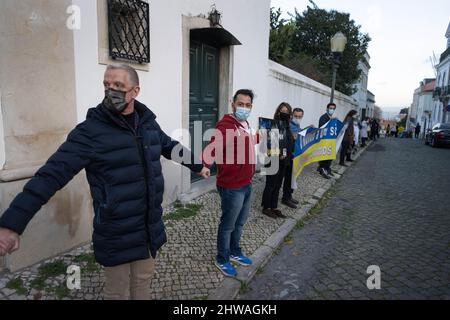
129, 30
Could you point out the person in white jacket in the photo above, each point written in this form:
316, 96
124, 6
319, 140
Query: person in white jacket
364, 132
356, 136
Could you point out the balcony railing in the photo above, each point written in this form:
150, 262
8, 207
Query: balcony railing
444, 55
441, 92
437, 92
446, 91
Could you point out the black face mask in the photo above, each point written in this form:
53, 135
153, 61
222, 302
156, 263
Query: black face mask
285, 116
115, 100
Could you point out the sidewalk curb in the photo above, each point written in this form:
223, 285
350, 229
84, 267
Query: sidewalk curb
230, 287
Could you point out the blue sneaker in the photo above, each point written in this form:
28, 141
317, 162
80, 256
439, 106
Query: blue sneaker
242, 260
227, 269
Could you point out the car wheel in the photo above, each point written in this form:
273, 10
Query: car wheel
433, 143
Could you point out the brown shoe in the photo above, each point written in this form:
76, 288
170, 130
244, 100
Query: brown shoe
278, 214
269, 213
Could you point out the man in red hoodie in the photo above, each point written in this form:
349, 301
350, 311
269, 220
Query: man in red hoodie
232, 148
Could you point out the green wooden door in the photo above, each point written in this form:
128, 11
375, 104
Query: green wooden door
203, 93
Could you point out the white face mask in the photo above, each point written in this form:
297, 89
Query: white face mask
331, 112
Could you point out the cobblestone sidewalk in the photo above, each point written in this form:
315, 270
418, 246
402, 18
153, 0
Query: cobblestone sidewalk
185, 268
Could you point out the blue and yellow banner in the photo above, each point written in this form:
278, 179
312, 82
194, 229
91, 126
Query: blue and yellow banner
314, 145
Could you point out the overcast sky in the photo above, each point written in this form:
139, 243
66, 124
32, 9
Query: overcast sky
404, 35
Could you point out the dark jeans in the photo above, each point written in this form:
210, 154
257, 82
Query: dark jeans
364, 140
236, 205
325, 165
287, 185
344, 152
272, 189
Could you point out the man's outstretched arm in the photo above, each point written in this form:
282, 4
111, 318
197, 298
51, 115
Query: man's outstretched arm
168, 145
61, 167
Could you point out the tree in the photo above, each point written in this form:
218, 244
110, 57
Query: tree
378, 113
281, 36
303, 44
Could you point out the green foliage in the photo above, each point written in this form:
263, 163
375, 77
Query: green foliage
17, 285
182, 212
244, 287
303, 44
91, 265
53, 269
60, 291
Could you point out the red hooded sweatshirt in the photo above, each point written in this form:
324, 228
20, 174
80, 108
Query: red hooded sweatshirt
233, 149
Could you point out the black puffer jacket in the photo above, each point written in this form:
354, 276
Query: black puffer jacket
125, 176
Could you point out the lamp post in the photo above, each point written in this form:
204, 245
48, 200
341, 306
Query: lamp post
338, 43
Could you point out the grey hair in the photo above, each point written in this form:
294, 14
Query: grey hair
134, 78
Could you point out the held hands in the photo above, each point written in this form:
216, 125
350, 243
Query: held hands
9, 241
205, 173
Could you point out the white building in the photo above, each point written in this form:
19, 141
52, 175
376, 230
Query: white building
412, 112
425, 104
52, 59
370, 106
441, 109
361, 86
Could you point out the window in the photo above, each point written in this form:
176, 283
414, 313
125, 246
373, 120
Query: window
129, 30
448, 80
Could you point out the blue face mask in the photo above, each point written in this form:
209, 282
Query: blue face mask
242, 113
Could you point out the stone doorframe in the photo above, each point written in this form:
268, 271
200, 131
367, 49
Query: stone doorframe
192, 190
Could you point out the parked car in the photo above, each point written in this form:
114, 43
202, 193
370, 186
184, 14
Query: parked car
439, 135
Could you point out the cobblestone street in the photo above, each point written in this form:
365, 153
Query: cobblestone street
391, 209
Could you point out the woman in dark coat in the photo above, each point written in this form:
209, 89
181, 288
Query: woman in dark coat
349, 135
271, 193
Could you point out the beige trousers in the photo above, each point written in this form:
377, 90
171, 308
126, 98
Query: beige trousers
131, 280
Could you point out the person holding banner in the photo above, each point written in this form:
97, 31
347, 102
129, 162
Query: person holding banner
295, 128
271, 193
325, 166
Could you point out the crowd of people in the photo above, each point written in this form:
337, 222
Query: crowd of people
120, 145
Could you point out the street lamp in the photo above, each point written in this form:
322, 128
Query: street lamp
214, 17
338, 43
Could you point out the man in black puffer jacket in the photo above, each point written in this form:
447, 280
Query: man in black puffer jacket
120, 145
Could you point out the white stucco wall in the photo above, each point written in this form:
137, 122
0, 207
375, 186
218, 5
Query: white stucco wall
289, 86
2, 137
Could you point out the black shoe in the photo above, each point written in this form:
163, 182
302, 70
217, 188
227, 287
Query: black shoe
291, 200
278, 214
289, 203
269, 213
324, 174
350, 160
